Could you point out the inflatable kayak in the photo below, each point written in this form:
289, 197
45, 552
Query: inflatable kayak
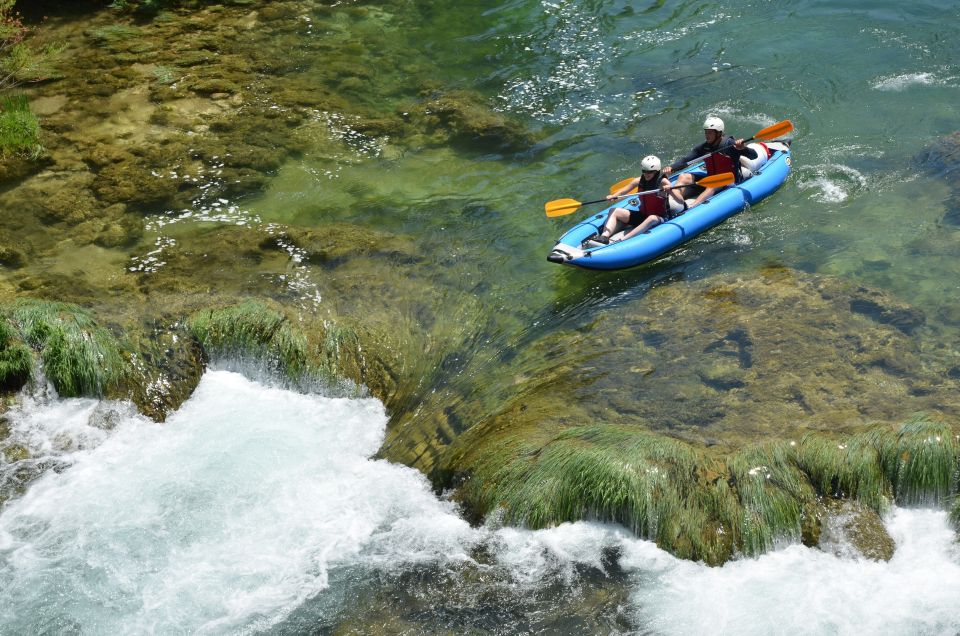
574, 248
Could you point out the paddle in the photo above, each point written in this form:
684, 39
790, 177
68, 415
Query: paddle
621, 184
561, 207
764, 134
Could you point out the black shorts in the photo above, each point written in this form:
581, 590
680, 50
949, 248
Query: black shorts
637, 217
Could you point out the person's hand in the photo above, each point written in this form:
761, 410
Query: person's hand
611, 197
667, 170
738, 144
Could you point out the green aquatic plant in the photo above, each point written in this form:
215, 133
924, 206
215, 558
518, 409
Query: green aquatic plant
114, 34
646, 482
19, 128
164, 75
79, 357
774, 494
920, 460
845, 469
253, 332
16, 363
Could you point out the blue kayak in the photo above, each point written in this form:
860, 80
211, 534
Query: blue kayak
643, 248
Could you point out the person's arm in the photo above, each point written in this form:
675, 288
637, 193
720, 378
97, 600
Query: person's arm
740, 149
681, 163
675, 192
622, 191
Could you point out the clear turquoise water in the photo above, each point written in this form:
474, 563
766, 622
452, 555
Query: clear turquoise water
867, 86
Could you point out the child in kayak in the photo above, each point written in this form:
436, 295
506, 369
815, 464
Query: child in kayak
723, 154
652, 208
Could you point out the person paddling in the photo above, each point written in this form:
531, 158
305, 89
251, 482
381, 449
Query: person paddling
652, 208
722, 155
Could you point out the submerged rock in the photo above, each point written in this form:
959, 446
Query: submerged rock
463, 117
942, 156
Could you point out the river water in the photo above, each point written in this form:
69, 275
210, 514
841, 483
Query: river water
255, 509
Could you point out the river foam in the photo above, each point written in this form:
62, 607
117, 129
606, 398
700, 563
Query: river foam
252, 503
224, 518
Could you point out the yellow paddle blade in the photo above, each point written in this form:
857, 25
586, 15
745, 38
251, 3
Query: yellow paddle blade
561, 207
620, 184
716, 180
777, 130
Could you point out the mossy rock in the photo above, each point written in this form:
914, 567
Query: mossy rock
15, 453
253, 330
16, 168
545, 472
335, 243
852, 529
465, 118
210, 86
11, 254
168, 365
123, 230
132, 184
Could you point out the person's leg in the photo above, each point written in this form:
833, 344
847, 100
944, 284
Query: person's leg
649, 222
617, 216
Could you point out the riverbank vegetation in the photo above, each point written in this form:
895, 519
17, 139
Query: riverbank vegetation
20, 62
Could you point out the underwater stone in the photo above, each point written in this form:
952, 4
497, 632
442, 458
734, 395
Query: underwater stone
906, 319
465, 118
126, 230
942, 156
209, 86
721, 375
10, 256
15, 168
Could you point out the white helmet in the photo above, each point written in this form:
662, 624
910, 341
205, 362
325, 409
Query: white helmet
650, 162
713, 123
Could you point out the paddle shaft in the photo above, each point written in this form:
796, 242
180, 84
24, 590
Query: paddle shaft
635, 194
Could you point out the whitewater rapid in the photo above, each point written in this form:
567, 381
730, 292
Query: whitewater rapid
241, 508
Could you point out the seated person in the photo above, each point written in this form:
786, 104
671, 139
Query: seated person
723, 154
653, 207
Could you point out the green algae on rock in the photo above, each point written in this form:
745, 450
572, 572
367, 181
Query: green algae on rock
675, 494
79, 357
252, 330
16, 363
651, 484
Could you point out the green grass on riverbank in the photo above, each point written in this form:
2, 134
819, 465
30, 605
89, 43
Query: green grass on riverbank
19, 128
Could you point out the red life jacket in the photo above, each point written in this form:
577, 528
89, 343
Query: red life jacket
653, 202
718, 163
